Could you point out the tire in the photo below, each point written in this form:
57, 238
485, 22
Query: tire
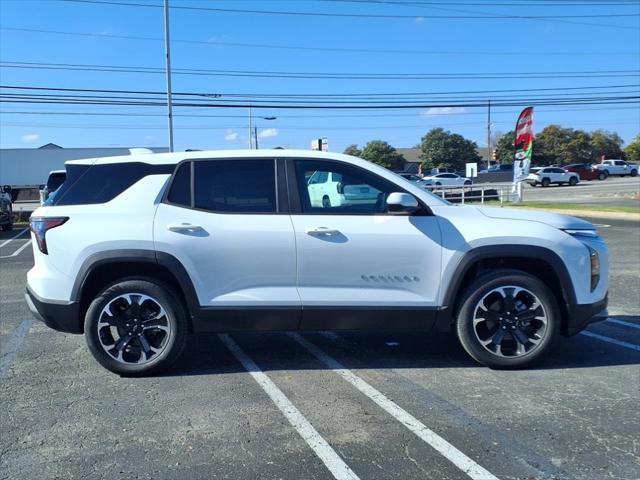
634, 173
326, 202
438, 184
491, 290
606, 172
573, 181
602, 176
125, 304
467, 183
546, 182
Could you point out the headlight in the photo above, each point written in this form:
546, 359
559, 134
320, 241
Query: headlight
583, 233
595, 267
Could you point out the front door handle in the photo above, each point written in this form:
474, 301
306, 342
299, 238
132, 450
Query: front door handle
322, 232
184, 228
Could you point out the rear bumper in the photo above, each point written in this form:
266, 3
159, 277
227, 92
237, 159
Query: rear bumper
579, 316
64, 317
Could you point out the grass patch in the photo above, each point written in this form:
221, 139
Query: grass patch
571, 206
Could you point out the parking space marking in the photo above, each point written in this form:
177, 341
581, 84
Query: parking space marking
12, 347
6, 242
451, 453
622, 322
17, 252
620, 343
338, 468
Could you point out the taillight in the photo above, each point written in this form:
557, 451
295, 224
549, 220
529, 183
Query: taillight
40, 225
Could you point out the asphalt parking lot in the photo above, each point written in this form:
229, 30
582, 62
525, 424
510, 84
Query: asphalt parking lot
323, 405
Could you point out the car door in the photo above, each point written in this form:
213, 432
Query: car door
224, 221
358, 265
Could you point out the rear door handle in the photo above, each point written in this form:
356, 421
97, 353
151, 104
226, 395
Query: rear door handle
322, 231
184, 228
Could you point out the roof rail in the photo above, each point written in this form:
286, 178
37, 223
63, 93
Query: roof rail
139, 151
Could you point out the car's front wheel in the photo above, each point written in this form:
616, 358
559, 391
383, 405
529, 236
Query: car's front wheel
507, 319
634, 173
136, 327
602, 176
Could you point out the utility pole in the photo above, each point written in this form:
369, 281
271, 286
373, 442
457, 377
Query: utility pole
488, 133
250, 129
167, 48
255, 135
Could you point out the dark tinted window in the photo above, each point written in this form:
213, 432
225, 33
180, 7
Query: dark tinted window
55, 180
238, 186
91, 184
180, 193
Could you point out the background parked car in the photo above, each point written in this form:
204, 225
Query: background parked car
618, 167
447, 180
55, 179
412, 177
548, 175
586, 171
6, 208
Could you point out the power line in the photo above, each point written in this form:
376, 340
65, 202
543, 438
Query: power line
553, 18
321, 49
321, 75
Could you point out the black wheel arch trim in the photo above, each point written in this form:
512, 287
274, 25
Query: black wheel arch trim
162, 259
534, 253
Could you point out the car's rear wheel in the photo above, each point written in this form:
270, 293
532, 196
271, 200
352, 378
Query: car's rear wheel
573, 181
507, 319
467, 183
136, 327
545, 182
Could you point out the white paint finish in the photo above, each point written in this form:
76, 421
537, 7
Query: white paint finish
613, 341
338, 468
6, 242
472, 469
235, 259
623, 323
17, 252
12, 347
372, 260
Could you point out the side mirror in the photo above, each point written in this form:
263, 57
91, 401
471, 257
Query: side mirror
398, 202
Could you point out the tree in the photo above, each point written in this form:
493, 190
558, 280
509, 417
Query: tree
353, 150
441, 148
578, 149
504, 148
606, 143
632, 151
380, 152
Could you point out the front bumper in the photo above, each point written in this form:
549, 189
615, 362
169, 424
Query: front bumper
581, 315
64, 317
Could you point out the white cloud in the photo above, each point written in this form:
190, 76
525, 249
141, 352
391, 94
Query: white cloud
231, 136
442, 111
419, 20
30, 137
268, 133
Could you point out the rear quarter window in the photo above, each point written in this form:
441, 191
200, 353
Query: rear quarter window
94, 184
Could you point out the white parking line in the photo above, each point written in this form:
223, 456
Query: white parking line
620, 343
12, 347
13, 238
622, 322
451, 453
18, 250
339, 469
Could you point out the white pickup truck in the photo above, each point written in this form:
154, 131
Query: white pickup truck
618, 167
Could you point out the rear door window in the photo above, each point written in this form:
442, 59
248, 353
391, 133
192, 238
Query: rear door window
235, 186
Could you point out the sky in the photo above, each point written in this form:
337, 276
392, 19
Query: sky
406, 46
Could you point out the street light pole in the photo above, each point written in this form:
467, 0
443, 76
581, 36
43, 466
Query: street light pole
255, 135
250, 129
167, 48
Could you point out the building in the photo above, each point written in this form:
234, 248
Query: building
30, 167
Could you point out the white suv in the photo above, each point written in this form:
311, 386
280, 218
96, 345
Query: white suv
138, 251
548, 175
